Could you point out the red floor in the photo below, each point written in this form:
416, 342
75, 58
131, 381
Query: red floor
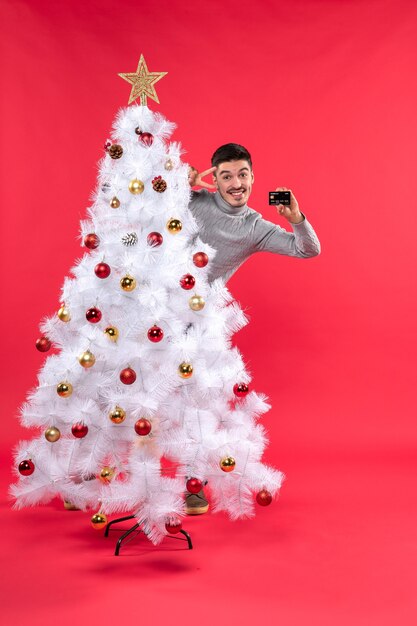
338, 548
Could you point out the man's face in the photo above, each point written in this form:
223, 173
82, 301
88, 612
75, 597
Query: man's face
234, 180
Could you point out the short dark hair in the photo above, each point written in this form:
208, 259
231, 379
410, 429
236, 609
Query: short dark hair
230, 152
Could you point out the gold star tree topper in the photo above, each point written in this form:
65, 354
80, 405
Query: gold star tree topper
143, 82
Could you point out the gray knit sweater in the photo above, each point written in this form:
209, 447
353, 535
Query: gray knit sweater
238, 232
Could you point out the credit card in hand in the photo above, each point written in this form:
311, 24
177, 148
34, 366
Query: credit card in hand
280, 197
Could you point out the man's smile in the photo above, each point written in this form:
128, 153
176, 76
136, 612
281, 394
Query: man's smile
237, 194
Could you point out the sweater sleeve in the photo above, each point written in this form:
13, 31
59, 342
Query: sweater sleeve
302, 242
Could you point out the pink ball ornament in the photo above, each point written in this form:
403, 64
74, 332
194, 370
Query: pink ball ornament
91, 241
128, 376
173, 527
143, 427
43, 344
146, 139
79, 430
154, 239
200, 259
240, 390
93, 315
187, 281
26, 467
263, 497
102, 270
155, 334
194, 485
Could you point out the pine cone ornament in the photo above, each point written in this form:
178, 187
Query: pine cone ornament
159, 184
115, 151
130, 239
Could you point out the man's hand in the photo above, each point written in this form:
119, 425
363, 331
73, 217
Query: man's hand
195, 177
292, 212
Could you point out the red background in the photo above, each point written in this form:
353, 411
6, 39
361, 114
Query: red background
323, 93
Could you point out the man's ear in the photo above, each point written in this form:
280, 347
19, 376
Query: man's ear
253, 177
215, 181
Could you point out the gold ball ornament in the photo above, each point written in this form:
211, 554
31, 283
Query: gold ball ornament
112, 333
98, 521
118, 415
128, 283
87, 359
52, 434
174, 225
185, 370
169, 165
115, 203
64, 389
196, 303
106, 474
136, 186
64, 314
227, 464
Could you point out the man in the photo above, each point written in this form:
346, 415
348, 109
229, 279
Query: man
236, 231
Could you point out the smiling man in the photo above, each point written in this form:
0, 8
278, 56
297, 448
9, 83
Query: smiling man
236, 231
235, 179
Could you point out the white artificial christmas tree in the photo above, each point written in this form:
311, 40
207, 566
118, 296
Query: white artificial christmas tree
145, 390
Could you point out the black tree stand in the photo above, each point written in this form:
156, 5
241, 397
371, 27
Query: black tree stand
136, 527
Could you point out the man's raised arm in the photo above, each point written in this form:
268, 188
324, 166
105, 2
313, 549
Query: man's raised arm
302, 242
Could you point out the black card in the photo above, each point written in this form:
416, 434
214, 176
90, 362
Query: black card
280, 197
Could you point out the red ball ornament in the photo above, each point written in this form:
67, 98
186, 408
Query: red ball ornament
102, 270
143, 427
91, 241
173, 527
155, 334
93, 315
26, 467
263, 497
43, 344
146, 139
79, 430
240, 389
194, 485
128, 376
200, 259
154, 239
187, 281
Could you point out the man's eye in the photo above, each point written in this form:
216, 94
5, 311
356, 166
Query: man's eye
226, 177
244, 174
